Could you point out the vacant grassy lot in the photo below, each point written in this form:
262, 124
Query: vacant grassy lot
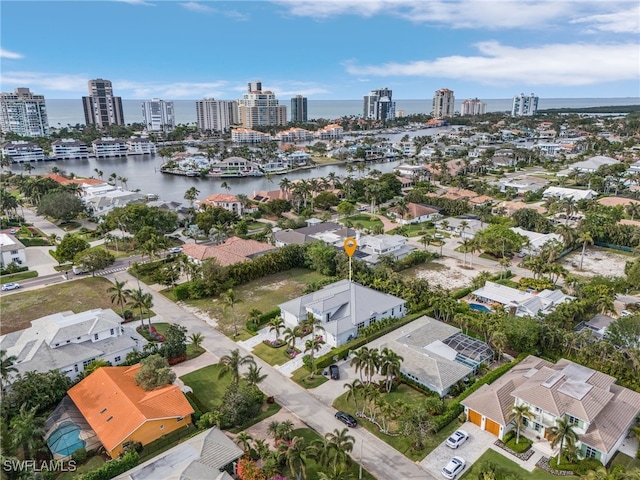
16, 277
409, 396
508, 467
366, 221
264, 294
19, 309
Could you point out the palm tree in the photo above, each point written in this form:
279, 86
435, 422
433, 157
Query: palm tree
342, 443
353, 389
230, 300
119, 295
633, 209
295, 456
26, 430
276, 324
230, 365
225, 186
6, 366
312, 346
390, 363
518, 415
138, 301
360, 359
243, 440
562, 433
253, 375
584, 238
147, 302
196, 340
290, 336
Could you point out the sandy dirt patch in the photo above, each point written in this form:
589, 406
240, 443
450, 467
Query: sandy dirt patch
597, 261
449, 273
199, 313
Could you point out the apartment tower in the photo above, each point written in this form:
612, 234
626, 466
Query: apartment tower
260, 107
216, 115
158, 115
473, 106
101, 107
443, 103
379, 105
299, 109
23, 113
524, 105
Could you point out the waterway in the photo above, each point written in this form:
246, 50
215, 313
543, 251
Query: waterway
143, 173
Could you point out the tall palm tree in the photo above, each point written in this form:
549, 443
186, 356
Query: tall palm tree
390, 363
231, 300
312, 346
633, 209
26, 430
138, 301
294, 455
584, 238
353, 389
253, 375
519, 413
360, 359
6, 366
147, 302
562, 433
343, 443
230, 365
119, 295
290, 336
243, 440
275, 325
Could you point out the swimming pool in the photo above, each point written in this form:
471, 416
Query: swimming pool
479, 308
65, 439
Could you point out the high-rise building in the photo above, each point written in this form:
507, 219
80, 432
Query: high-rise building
216, 115
473, 106
379, 105
158, 115
101, 108
299, 109
24, 113
524, 106
260, 107
443, 103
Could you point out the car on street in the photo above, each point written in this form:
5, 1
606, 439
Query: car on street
457, 438
10, 286
438, 235
12, 231
334, 371
175, 250
454, 468
362, 209
347, 419
625, 313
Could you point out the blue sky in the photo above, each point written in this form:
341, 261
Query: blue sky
324, 49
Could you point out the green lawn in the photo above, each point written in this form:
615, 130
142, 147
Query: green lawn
16, 277
301, 377
206, 385
410, 396
20, 308
413, 230
93, 463
313, 469
368, 222
508, 467
273, 356
264, 294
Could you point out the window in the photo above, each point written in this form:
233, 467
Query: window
110, 418
360, 325
103, 410
538, 410
179, 419
161, 427
113, 331
95, 337
590, 452
117, 359
75, 367
573, 420
14, 252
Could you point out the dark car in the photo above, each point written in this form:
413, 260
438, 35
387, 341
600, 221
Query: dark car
334, 371
347, 419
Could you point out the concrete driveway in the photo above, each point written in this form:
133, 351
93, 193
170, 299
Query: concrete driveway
478, 442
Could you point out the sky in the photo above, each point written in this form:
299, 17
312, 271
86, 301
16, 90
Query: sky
323, 49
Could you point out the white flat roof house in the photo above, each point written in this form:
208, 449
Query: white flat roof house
11, 250
536, 239
68, 342
343, 307
522, 303
592, 164
562, 192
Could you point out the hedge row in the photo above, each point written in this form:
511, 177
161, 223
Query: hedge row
342, 351
262, 320
113, 468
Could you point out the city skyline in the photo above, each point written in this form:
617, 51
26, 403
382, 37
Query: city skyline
324, 50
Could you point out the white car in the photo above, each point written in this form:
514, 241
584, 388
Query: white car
625, 313
10, 286
454, 468
457, 438
175, 250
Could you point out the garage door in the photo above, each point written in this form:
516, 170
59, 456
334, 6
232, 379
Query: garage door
475, 417
492, 427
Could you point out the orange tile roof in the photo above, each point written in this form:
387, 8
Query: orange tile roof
220, 198
233, 250
615, 201
271, 195
80, 181
115, 406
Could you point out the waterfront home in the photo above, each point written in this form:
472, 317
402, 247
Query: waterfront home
330, 132
110, 147
121, 413
102, 198
210, 455
246, 135
233, 250
82, 182
21, 151
141, 146
436, 355
12, 250
294, 135
518, 302
235, 167
412, 171
299, 158
600, 411
342, 307
69, 149
68, 342
227, 201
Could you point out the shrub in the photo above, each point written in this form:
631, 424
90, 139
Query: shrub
182, 292
79, 456
113, 468
583, 466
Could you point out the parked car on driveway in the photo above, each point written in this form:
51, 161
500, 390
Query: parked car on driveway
334, 372
10, 286
347, 419
175, 250
457, 438
453, 468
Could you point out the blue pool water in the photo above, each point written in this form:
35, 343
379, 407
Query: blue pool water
479, 308
65, 439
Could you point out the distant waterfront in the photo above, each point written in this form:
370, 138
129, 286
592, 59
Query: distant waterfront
70, 111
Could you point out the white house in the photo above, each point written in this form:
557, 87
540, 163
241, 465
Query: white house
23, 151
521, 303
225, 200
68, 342
110, 147
69, 149
11, 250
375, 245
536, 240
141, 146
593, 163
562, 192
343, 307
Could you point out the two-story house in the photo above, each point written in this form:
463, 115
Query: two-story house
600, 411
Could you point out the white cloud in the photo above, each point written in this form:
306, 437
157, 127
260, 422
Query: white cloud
197, 7
11, 55
46, 81
496, 64
622, 21
141, 3
171, 90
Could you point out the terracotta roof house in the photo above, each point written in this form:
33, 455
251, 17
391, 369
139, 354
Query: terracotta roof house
209, 455
600, 411
79, 181
121, 412
224, 200
416, 213
233, 250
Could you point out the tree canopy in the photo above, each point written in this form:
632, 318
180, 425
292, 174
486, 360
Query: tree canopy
154, 372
